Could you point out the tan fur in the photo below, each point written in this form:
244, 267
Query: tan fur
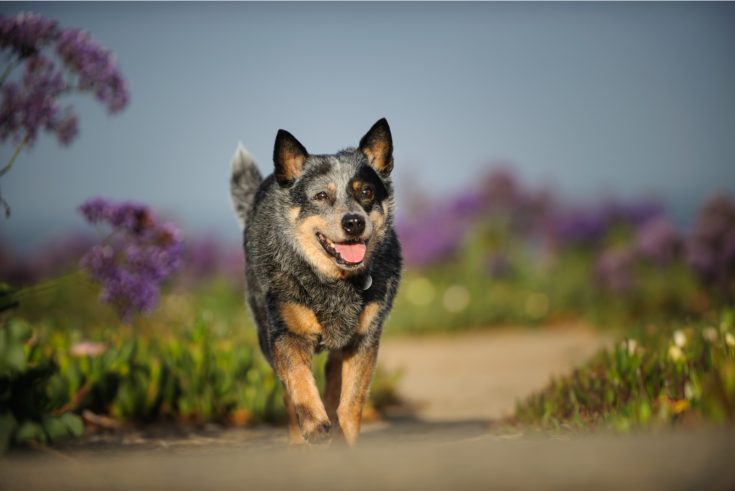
378, 221
357, 370
366, 317
293, 164
314, 252
294, 432
293, 214
300, 320
375, 154
292, 362
333, 385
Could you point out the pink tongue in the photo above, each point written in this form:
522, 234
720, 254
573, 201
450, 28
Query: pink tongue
352, 253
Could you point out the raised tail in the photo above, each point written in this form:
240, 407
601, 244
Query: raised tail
245, 179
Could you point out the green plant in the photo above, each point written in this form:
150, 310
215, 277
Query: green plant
664, 376
33, 394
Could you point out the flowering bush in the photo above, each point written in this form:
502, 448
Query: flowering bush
711, 250
134, 259
526, 255
55, 62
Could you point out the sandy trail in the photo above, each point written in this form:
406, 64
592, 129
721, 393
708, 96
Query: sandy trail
480, 375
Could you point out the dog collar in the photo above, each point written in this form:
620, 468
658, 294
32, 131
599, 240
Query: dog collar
367, 282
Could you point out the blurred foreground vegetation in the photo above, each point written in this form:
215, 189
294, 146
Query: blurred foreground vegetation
65, 358
656, 377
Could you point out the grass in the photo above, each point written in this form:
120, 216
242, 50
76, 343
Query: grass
664, 375
462, 295
194, 361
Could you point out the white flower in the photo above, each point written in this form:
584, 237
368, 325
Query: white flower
632, 346
710, 334
675, 353
680, 338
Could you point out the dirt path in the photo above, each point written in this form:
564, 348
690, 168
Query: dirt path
481, 375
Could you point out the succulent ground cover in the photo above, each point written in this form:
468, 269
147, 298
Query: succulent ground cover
661, 376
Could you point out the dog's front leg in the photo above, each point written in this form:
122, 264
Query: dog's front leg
333, 383
292, 360
358, 366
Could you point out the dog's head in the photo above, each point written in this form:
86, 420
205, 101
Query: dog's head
339, 206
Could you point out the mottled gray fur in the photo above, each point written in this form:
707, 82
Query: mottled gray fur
275, 262
280, 269
245, 179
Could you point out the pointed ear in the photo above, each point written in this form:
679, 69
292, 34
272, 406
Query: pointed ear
288, 156
377, 145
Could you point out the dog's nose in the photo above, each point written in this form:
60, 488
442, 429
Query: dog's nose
353, 224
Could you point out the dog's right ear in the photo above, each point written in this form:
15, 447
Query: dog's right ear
377, 145
289, 156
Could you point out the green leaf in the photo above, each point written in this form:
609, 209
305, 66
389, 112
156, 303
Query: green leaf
8, 424
54, 428
13, 359
29, 431
73, 423
19, 331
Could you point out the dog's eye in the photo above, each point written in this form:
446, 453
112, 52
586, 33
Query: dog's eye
367, 192
321, 196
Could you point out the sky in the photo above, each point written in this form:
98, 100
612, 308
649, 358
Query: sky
595, 99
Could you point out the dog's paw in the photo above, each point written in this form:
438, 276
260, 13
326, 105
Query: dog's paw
318, 433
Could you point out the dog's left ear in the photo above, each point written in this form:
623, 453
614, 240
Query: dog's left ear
289, 156
377, 145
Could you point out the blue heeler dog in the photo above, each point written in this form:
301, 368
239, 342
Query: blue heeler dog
322, 268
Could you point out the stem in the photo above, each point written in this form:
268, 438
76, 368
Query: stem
9, 69
4, 204
10, 163
74, 402
46, 285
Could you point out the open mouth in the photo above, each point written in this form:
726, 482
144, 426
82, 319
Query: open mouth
350, 253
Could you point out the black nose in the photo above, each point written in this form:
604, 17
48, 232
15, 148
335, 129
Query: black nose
353, 224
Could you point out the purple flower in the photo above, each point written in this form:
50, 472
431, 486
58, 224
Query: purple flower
133, 262
468, 205
95, 66
30, 101
26, 33
635, 213
131, 217
711, 247
498, 265
658, 241
501, 189
614, 269
430, 238
578, 226
67, 127
526, 210
589, 225
31, 104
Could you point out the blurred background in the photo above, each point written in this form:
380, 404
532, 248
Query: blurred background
591, 100
555, 163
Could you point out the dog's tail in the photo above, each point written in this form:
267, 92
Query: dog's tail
244, 181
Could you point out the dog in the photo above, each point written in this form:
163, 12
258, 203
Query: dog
323, 265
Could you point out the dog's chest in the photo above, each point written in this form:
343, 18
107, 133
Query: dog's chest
339, 317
